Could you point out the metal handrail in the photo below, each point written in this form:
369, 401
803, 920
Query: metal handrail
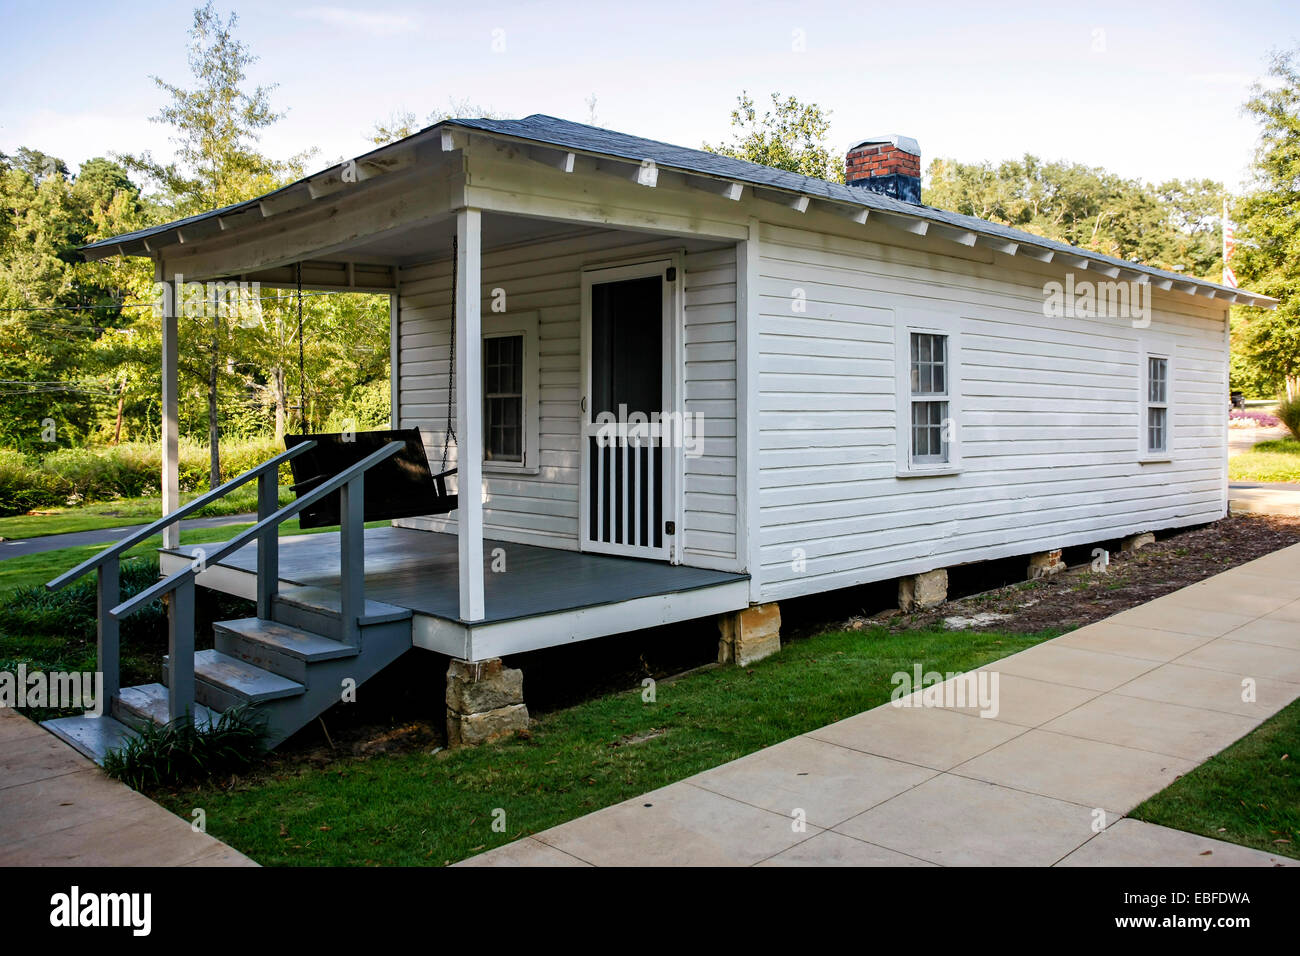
148, 531
180, 577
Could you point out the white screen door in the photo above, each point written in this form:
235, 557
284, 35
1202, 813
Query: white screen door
627, 469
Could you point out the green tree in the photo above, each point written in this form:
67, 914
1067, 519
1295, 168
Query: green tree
217, 124
1268, 230
54, 308
1176, 225
403, 123
791, 136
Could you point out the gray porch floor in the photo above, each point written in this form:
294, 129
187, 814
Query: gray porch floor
418, 570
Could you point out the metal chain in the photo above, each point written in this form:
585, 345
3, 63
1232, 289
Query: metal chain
450, 435
302, 364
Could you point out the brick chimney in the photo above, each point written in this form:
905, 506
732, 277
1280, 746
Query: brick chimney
890, 165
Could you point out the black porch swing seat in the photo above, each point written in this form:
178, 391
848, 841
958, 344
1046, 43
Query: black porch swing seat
398, 487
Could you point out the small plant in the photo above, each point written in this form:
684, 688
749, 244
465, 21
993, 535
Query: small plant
1288, 410
182, 751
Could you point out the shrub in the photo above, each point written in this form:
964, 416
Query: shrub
23, 488
367, 407
183, 751
69, 614
133, 469
99, 474
1288, 410
238, 457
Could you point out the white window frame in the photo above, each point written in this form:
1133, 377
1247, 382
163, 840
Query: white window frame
498, 325
1165, 352
927, 323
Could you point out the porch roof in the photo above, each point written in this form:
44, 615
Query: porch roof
549, 131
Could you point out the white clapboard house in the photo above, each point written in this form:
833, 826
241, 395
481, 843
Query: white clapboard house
858, 388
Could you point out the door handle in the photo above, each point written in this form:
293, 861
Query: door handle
583, 404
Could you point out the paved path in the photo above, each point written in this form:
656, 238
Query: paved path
19, 547
58, 809
1267, 498
1244, 439
1089, 725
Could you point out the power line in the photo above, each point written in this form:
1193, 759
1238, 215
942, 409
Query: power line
151, 305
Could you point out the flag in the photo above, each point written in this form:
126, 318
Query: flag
1229, 243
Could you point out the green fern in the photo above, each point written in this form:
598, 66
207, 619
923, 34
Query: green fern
181, 751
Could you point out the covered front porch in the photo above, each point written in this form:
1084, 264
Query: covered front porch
535, 597
518, 317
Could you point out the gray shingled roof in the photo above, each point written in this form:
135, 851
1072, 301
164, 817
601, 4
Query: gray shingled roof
550, 131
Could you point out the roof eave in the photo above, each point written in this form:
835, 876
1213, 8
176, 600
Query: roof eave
917, 220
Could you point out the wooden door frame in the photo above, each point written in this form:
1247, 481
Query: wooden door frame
673, 388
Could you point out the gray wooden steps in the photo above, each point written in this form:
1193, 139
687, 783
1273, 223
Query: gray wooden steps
278, 647
222, 681
91, 736
326, 601
295, 666
147, 703
292, 641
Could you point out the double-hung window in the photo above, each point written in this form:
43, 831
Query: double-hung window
503, 397
929, 377
510, 393
1157, 405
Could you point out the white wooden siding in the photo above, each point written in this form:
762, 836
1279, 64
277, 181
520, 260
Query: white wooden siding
1048, 431
542, 508
710, 390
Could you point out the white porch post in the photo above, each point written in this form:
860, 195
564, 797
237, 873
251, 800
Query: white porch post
171, 499
394, 358
469, 414
748, 517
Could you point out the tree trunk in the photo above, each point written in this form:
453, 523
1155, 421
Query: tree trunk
121, 405
278, 398
1292, 387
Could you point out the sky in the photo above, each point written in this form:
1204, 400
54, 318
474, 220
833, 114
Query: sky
1149, 90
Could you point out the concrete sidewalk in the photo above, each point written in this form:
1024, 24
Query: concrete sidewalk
1089, 725
58, 809
1264, 498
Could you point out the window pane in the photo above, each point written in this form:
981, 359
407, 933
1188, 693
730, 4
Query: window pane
929, 373
1156, 430
503, 399
920, 434
627, 355
1157, 380
928, 443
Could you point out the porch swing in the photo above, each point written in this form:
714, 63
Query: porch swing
398, 487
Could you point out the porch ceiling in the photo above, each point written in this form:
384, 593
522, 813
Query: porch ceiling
428, 241
369, 264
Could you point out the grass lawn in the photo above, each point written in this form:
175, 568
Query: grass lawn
1246, 794
34, 569
424, 808
56, 630
1267, 461
123, 511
